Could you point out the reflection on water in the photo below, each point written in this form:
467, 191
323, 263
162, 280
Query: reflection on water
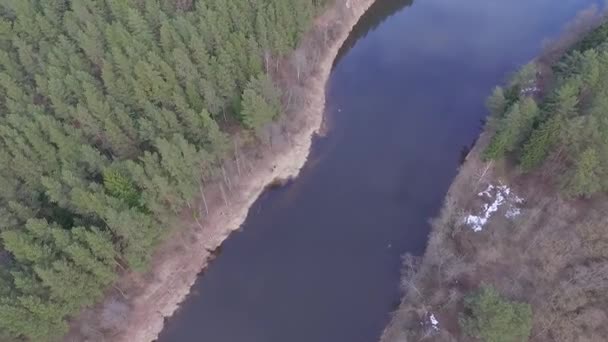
318, 260
377, 13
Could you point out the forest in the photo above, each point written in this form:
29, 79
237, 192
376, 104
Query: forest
116, 114
561, 131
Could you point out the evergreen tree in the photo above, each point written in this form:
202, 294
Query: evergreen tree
497, 102
260, 104
541, 142
513, 129
492, 318
121, 187
586, 178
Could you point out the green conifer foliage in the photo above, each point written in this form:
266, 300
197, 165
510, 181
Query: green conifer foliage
566, 134
112, 113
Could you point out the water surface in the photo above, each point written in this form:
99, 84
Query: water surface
318, 260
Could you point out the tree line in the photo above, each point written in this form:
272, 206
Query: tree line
564, 132
115, 116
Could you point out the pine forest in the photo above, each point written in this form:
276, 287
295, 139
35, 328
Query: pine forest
115, 116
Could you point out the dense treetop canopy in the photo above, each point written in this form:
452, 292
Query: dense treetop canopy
113, 112
565, 131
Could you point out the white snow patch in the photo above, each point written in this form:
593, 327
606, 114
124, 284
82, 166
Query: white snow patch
513, 212
487, 191
475, 222
500, 195
530, 90
434, 321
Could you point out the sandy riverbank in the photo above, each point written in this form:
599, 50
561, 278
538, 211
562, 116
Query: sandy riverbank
137, 311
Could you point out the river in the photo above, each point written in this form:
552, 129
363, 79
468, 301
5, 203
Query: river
318, 259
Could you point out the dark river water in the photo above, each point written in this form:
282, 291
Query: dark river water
318, 260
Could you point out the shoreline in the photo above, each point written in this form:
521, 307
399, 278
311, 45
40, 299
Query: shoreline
535, 245
416, 303
156, 295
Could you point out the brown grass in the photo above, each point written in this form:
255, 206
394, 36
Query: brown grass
554, 256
